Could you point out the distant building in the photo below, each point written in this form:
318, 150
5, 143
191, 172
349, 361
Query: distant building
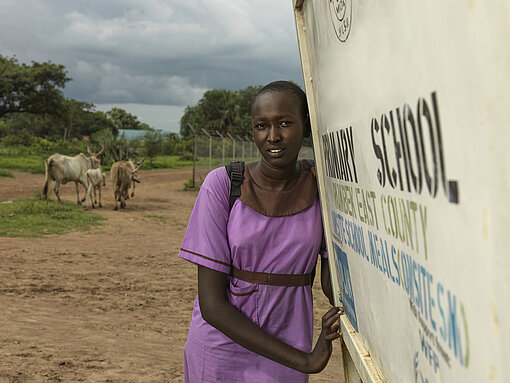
131, 134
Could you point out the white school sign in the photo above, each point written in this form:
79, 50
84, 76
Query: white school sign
410, 108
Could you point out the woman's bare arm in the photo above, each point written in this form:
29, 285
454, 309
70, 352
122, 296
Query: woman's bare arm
327, 289
219, 313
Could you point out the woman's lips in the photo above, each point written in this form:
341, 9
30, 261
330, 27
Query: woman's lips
276, 152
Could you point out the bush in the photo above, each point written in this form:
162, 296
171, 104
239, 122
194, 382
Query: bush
5, 173
186, 157
188, 185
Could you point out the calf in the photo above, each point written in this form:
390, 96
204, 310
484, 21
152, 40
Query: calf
95, 178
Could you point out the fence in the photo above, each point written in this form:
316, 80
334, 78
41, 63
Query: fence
215, 150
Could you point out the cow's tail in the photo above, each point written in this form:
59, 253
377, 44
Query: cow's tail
118, 175
117, 187
48, 165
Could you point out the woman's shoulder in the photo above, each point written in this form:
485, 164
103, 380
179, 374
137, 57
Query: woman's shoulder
217, 181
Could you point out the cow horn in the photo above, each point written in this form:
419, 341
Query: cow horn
88, 148
139, 165
101, 151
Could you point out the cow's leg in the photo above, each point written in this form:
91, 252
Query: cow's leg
77, 193
85, 183
56, 188
122, 198
87, 198
115, 195
100, 196
95, 197
133, 191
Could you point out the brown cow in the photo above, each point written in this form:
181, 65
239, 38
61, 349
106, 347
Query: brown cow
134, 166
122, 176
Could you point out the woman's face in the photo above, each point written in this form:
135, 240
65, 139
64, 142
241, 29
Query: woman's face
278, 127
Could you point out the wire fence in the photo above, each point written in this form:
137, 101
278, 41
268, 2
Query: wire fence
215, 151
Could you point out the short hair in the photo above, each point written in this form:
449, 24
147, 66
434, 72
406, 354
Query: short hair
293, 90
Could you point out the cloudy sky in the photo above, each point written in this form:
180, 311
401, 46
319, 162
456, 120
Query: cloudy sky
154, 57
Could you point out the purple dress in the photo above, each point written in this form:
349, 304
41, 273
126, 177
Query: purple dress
270, 232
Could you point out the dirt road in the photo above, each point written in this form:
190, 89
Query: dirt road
109, 305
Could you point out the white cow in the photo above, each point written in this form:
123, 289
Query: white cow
95, 178
63, 169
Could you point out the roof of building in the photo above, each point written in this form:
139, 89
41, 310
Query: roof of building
131, 133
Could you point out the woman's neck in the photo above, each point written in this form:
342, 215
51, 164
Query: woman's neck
275, 179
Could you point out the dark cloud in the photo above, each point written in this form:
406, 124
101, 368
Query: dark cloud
154, 51
113, 49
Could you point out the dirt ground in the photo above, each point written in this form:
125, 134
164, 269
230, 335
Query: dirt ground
109, 305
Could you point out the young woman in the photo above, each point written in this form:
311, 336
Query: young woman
253, 320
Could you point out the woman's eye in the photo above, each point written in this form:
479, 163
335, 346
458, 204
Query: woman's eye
284, 123
260, 126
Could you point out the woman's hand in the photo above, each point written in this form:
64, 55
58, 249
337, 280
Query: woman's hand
319, 357
218, 312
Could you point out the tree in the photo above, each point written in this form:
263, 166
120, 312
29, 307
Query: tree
125, 120
192, 116
34, 88
153, 144
76, 119
222, 110
80, 119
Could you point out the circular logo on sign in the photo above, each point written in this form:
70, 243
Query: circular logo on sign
341, 15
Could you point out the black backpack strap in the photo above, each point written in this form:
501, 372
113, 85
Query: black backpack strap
235, 171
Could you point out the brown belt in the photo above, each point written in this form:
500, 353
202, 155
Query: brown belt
272, 279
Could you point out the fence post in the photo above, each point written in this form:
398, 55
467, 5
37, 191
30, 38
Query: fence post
242, 147
210, 147
195, 131
223, 147
233, 146
248, 139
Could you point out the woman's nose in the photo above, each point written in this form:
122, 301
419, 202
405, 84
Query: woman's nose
274, 134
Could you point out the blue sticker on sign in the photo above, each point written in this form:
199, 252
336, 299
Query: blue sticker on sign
344, 278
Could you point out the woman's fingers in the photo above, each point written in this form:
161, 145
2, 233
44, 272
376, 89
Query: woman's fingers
332, 314
328, 322
334, 335
332, 311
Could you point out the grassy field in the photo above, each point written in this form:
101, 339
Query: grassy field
35, 163
26, 163
35, 218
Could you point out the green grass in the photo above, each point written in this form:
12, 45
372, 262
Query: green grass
26, 163
6, 173
157, 218
31, 218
